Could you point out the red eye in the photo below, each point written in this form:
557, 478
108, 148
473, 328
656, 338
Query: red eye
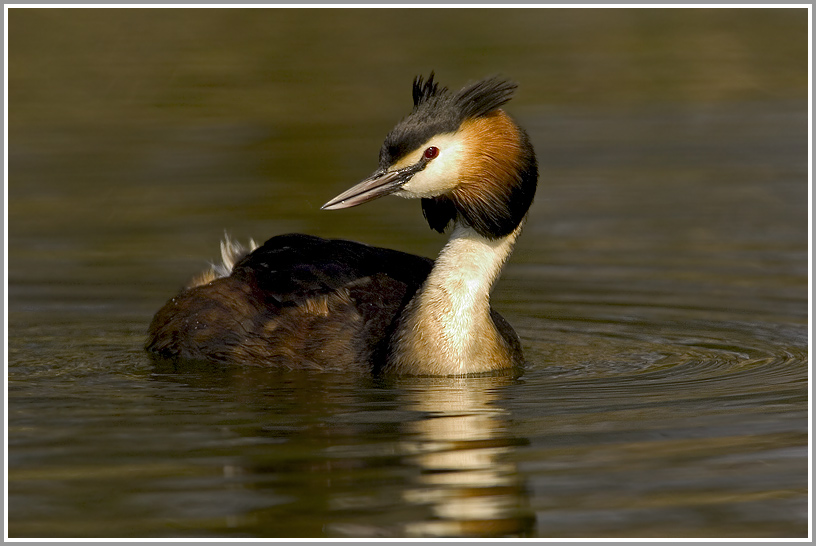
431, 152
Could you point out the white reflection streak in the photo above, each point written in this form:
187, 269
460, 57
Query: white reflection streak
458, 449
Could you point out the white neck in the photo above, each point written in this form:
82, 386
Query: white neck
447, 329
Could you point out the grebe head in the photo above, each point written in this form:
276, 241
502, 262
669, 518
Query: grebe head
461, 154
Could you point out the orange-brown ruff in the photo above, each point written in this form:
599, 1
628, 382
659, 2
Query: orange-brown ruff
300, 301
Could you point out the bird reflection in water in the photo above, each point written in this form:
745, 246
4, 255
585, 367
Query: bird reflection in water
464, 451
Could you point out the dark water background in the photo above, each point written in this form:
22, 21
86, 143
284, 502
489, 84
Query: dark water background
660, 287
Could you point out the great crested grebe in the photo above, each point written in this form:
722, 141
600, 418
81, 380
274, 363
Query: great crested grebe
300, 301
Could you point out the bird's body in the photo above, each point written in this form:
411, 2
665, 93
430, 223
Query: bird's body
304, 302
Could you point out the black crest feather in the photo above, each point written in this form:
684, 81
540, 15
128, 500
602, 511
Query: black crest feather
484, 96
437, 110
475, 99
423, 91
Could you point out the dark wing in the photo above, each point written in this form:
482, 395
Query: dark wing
295, 267
297, 301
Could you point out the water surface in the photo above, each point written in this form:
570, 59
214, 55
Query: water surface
660, 287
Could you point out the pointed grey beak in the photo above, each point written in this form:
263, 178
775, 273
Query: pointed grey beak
382, 182
377, 185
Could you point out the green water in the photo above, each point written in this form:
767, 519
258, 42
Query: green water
660, 287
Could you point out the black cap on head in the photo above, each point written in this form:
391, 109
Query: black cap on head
438, 111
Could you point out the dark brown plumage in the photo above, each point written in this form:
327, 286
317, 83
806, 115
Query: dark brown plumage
298, 301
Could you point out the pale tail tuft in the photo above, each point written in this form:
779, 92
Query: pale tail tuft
231, 253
